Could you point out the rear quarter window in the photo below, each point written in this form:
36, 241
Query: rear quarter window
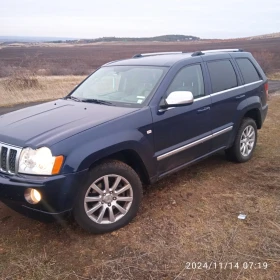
222, 75
248, 70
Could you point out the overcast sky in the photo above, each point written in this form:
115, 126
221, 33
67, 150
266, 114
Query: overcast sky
135, 18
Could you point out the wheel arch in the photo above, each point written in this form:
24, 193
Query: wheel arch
252, 111
254, 114
129, 157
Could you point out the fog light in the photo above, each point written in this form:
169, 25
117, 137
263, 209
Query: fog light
32, 196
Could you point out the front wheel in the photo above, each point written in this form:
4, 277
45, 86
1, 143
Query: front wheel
245, 142
110, 199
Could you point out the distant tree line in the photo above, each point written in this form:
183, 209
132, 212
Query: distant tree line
163, 38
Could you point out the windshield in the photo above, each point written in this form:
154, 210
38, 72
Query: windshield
120, 85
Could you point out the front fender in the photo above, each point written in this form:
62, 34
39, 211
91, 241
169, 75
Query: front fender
84, 156
126, 133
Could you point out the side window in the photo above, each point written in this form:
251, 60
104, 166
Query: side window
222, 75
248, 70
189, 78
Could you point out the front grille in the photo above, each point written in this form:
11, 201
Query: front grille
9, 157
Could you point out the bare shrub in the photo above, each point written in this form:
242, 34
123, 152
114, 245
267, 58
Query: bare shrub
5, 70
21, 77
43, 72
266, 60
58, 71
21, 80
79, 68
76, 68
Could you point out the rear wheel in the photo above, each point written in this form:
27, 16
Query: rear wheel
244, 143
110, 199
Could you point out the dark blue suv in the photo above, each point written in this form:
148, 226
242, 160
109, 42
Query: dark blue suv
131, 122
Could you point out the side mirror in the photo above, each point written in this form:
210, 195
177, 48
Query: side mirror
178, 98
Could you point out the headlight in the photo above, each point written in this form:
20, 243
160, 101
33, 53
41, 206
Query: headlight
39, 162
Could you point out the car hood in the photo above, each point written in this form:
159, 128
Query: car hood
51, 122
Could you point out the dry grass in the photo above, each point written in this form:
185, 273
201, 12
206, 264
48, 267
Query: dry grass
274, 76
189, 216
17, 90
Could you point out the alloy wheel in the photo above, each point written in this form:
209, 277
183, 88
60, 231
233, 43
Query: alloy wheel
108, 199
247, 140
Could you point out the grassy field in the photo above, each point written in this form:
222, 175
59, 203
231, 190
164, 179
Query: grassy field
191, 216
274, 76
81, 59
48, 88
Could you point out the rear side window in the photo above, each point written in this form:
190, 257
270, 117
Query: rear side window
248, 70
189, 79
222, 75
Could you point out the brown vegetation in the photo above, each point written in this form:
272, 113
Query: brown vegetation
17, 89
267, 61
190, 216
21, 82
274, 76
81, 59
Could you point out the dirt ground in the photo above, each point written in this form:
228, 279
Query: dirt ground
191, 216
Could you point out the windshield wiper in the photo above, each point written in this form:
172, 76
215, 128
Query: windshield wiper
98, 101
73, 98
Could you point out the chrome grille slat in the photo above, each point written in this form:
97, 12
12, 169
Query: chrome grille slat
9, 158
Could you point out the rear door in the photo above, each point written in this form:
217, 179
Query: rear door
227, 93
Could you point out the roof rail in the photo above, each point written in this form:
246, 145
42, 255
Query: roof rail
214, 51
152, 54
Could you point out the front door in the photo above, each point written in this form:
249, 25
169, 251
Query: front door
183, 134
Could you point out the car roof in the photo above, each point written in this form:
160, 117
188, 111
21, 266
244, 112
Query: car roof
167, 59
152, 60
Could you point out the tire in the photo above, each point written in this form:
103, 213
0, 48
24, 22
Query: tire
98, 211
237, 152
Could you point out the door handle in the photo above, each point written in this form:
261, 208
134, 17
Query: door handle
240, 96
203, 110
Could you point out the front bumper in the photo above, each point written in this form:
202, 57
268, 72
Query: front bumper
58, 193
